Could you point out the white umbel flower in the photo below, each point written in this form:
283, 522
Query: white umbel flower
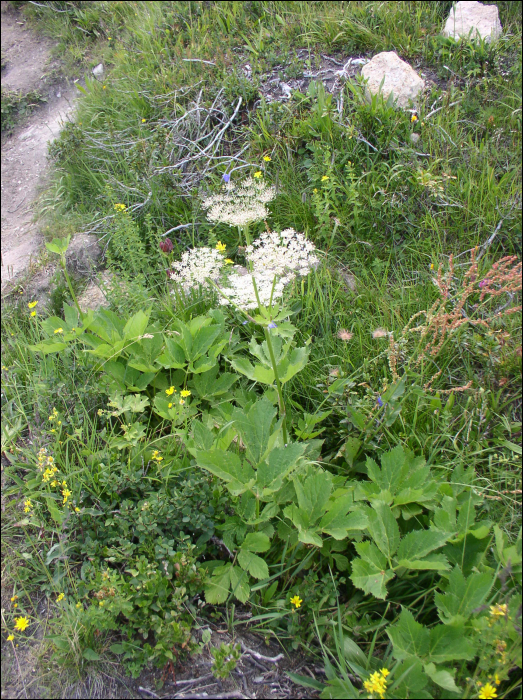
240, 204
285, 254
239, 289
195, 266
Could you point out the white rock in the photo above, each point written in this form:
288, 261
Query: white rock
286, 90
398, 77
414, 138
481, 20
98, 71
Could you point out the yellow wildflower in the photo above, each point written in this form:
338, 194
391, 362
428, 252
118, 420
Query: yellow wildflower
78, 605
21, 623
498, 610
296, 600
103, 87
267, 159
185, 393
377, 683
59, 330
258, 174
315, 190
77, 510
221, 246
325, 178
10, 638
156, 456
27, 506
488, 691
120, 207
414, 118
15, 597
33, 313
170, 391
32, 304
228, 261
60, 597
169, 405
143, 121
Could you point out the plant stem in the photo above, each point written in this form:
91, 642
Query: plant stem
68, 280
278, 385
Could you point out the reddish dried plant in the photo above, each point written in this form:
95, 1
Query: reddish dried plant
468, 303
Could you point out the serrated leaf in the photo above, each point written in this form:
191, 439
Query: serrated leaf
239, 584
411, 679
256, 373
408, 637
383, 528
462, 596
256, 542
370, 579
227, 466
217, 588
310, 537
136, 325
392, 471
203, 340
442, 677
313, 492
254, 564
432, 562
293, 364
449, 643
255, 428
419, 543
278, 465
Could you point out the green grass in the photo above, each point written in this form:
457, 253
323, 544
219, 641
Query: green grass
389, 214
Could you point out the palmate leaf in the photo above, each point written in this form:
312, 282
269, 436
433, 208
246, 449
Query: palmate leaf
256, 373
278, 465
449, 643
313, 493
408, 637
370, 578
419, 543
254, 564
240, 584
217, 588
227, 466
255, 428
383, 528
462, 596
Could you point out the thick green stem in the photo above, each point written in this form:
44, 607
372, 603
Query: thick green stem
68, 280
283, 414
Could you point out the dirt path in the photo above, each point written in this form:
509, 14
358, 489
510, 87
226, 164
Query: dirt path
24, 152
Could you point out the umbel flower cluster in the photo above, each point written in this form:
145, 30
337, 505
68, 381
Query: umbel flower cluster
240, 204
274, 260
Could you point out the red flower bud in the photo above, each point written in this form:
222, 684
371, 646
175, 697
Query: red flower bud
166, 246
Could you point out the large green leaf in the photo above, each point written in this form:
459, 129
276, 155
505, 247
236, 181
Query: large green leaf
313, 492
217, 588
449, 643
293, 364
442, 677
136, 325
238, 475
255, 428
370, 579
410, 679
240, 584
383, 528
408, 637
279, 464
207, 384
174, 355
254, 564
462, 596
392, 471
256, 542
256, 373
419, 543
203, 340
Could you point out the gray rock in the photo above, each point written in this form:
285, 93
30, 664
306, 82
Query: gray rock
474, 18
398, 78
98, 71
83, 255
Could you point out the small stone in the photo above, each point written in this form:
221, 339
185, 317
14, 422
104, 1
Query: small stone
83, 255
414, 138
98, 71
398, 78
285, 90
474, 18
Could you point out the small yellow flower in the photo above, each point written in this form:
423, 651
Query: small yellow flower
267, 159
27, 505
414, 118
169, 405
487, 692
103, 87
384, 672
258, 174
32, 304
498, 610
33, 313
78, 605
497, 679
228, 261
77, 510
120, 207
59, 330
15, 597
101, 603
21, 623
431, 266
100, 412
60, 597
143, 121
10, 638
170, 391
109, 38
221, 247
185, 393
296, 600
315, 190
325, 178
15, 605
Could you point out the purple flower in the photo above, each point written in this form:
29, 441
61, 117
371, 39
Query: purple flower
272, 325
380, 402
226, 177
166, 246
482, 284
244, 323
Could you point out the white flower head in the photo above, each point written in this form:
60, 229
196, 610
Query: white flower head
240, 204
285, 254
239, 289
195, 266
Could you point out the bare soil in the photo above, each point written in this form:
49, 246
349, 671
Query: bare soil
28, 67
